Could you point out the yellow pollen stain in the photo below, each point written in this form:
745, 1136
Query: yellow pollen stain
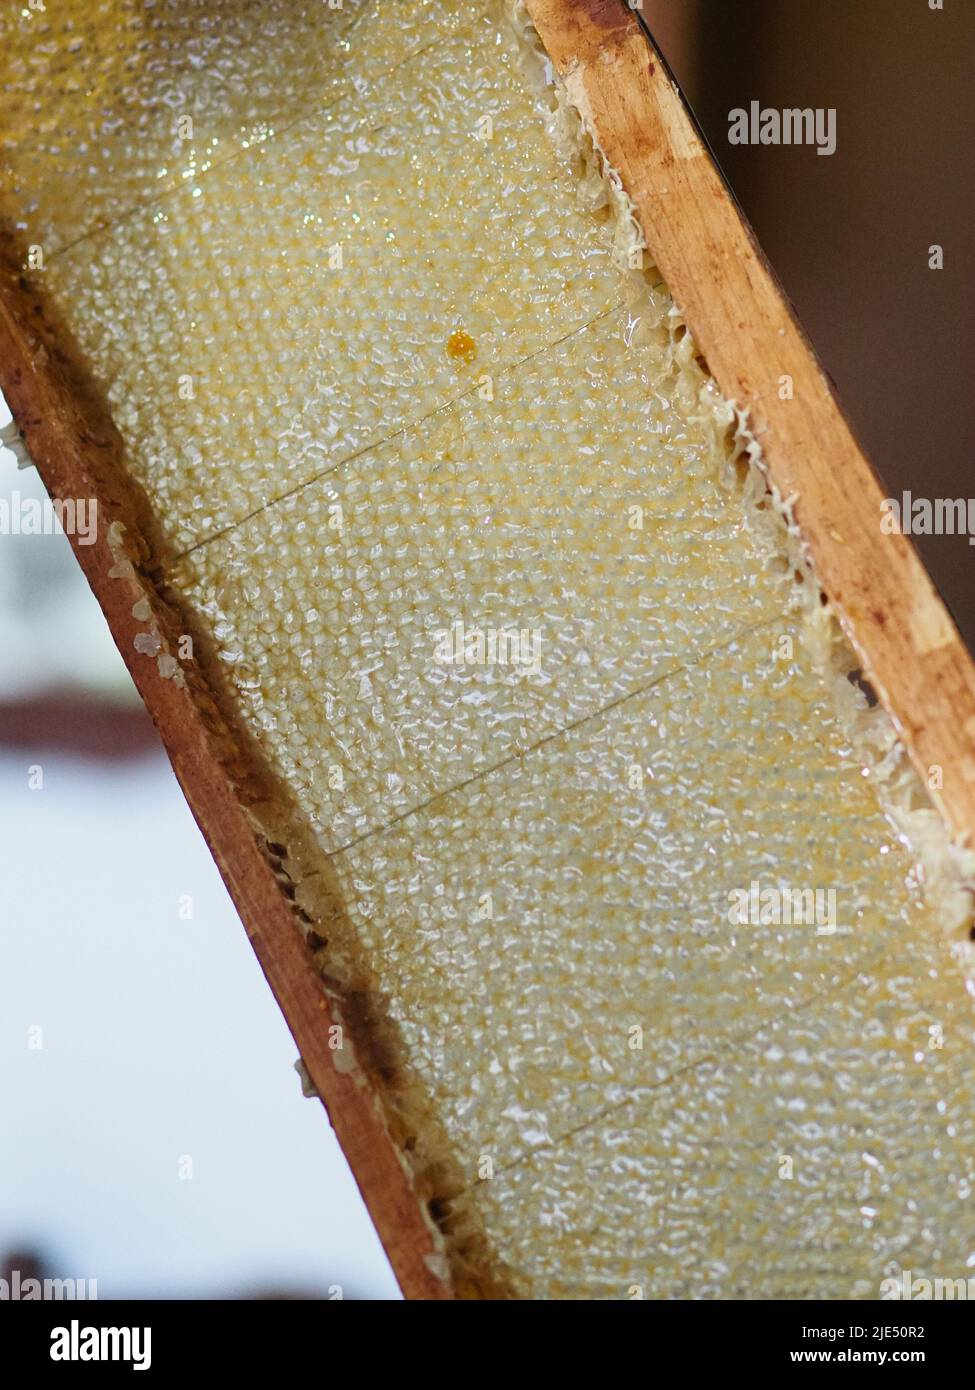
461, 346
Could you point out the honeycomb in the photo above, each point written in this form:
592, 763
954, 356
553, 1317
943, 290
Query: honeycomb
107, 105
450, 505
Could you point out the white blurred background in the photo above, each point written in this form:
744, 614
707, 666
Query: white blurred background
153, 1135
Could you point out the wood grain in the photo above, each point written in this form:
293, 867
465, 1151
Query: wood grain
741, 321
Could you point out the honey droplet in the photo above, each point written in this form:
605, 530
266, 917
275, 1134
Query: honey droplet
461, 346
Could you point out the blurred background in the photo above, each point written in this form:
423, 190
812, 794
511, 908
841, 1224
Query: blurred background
152, 1131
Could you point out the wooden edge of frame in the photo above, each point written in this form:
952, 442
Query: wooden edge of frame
75, 450
908, 645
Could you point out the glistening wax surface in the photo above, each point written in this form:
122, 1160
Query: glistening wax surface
387, 390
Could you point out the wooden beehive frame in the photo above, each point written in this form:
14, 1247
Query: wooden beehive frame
741, 322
